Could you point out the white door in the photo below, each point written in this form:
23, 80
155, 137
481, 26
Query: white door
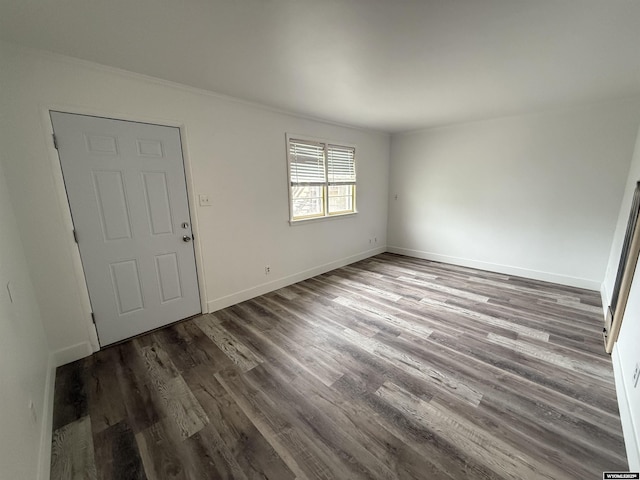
126, 187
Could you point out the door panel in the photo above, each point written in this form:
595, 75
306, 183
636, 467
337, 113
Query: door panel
157, 200
112, 205
168, 277
126, 286
127, 193
150, 148
101, 144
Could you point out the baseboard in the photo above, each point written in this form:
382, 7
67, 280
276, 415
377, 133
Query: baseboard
604, 298
228, 300
498, 268
72, 353
631, 437
44, 458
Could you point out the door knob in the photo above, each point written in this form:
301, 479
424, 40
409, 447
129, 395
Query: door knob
186, 238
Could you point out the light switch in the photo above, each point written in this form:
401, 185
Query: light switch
205, 201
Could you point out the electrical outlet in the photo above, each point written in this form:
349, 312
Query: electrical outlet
32, 410
636, 375
267, 270
204, 199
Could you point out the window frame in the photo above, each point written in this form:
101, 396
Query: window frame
326, 143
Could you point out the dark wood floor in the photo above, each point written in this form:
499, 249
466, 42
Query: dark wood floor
389, 368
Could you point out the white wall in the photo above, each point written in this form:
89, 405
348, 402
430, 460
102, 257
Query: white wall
534, 195
626, 353
24, 356
237, 156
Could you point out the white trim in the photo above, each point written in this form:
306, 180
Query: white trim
506, 269
46, 432
63, 201
604, 298
71, 353
193, 211
241, 296
307, 221
631, 435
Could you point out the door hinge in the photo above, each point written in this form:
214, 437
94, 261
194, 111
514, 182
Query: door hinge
75, 236
93, 318
55, 141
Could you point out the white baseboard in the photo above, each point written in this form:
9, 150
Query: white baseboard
631, 436
72, 353
44, 457
604, 298
228, 300
498, 268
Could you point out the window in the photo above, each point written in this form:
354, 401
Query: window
322, 179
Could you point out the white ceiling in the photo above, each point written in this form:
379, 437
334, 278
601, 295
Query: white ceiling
390, 65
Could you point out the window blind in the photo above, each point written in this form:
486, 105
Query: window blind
341, 166
307, 163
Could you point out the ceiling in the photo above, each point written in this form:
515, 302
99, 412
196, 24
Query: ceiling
389, 65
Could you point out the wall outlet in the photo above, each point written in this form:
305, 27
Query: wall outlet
34, 414
204, 199
636, 375
267, 270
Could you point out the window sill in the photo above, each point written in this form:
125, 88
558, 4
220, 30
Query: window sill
304, 221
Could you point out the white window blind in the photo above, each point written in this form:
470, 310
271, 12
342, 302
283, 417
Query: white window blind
341, 165
307, 163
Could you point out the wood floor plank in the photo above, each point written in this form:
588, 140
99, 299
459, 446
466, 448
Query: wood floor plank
189, 347
291, 358
161, 455
72, 452
393, 320
229, 344
178, 401
348, 459
447, 460
390, 368
70, 394
117, 454
396, 455
235, 431
488, 319
379, 292
489, 450
596, 370
106, 406
137, 389
414, 366
295, 449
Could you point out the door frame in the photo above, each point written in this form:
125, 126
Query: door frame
61, 193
